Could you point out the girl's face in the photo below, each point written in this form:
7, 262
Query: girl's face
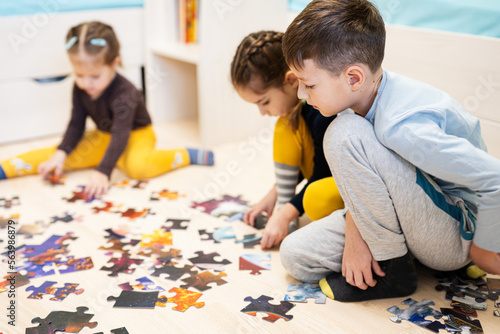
276, 101
91, 74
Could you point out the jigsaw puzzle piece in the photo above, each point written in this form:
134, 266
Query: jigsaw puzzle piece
53, 242
416, 313
205, 236
143, 284
159, 237
304, 291
108, 207
176, 224
456, 321
72, 322
170, 195
34, 270
29, 230
173, 272
471, 301
254, 263
116, 245
274, 312
47, 288
183, 298
132, 214
80, 196
68, 217
8, 203
16, 279
121, 330
201, 280
122, 265
38, 292
225, 232
249, 240
206, 261
71, 264
135, 299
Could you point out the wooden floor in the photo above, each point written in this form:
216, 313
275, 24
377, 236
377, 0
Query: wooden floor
242, 168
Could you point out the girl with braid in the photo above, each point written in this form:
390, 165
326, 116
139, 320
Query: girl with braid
261, 76
124, 136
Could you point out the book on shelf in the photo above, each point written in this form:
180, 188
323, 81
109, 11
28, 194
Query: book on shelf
188, 20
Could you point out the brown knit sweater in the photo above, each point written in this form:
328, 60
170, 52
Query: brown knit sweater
119, 110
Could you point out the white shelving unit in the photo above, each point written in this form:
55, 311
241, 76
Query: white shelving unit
192, 81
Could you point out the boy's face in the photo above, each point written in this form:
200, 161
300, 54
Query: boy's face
325, 92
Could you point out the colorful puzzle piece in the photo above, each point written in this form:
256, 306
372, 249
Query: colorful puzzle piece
53, 242
200, 280
159, 237
79, 196
122, 265
206, 261
183, 298
71, 264
119, 246
455, 321
108, 207
304, 291
132, 214
229, 209
253, 262
249, 240
47, 288
121, 330
29, 230
176, 224
170, 195
135, 299
139, 184
416, 313
72, 322
173, 272
15, 279
274, 312
225, 232
144, 284
5, 221
56, 180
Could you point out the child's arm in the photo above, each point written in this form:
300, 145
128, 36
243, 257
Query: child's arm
55, 163
265, 205
277, 226
357, 261
486, 260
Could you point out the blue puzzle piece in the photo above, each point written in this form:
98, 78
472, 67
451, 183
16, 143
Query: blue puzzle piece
226, 232
304, 291
416, 313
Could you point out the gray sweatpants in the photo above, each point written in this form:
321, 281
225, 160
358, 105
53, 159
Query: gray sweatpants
393, 212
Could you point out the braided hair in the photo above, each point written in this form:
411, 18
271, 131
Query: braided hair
259, 64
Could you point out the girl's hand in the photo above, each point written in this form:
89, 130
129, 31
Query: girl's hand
98, 185
357, 261
265, 205
55, 163
277, 226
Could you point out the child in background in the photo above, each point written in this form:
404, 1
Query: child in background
411, 165
124, 136
260, 76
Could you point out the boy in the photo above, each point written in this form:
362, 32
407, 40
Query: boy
411, 165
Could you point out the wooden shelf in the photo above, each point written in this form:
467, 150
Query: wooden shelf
189, 53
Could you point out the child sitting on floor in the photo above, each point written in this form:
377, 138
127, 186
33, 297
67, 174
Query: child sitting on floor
260, 76
411, 165
124, 136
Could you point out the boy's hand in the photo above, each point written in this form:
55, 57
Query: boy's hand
55, 163
277, 226
357, 261
486, 260
265, 205
98, 185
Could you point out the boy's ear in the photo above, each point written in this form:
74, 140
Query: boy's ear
355, 77
291, 79
116, 62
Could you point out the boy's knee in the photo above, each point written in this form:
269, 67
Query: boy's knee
291, 258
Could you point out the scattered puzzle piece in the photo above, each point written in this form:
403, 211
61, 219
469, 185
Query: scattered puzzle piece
456, 321
173, 272
15, 279
121, 330
176, 224
48, 288
183, 298
205, 236
8, 203
249, 240
72, 322
132, 214
206, 261
31, 229
274, 312
200, 280
144, 284
170, 195
56, 180
135, 299
227, 206
159, 237
253, 262
225, 232
108, 207
119, 246
71, 264
122, 265
79, 196
416, 313
139, 184
304, 291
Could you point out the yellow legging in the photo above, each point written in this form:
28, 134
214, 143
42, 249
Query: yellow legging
296, 148
140, 159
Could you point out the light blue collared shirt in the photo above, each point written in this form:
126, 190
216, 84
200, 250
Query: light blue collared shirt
425, 126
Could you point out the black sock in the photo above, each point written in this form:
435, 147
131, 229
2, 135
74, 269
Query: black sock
400, 280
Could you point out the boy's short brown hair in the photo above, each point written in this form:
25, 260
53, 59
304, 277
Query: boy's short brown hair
336, 34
